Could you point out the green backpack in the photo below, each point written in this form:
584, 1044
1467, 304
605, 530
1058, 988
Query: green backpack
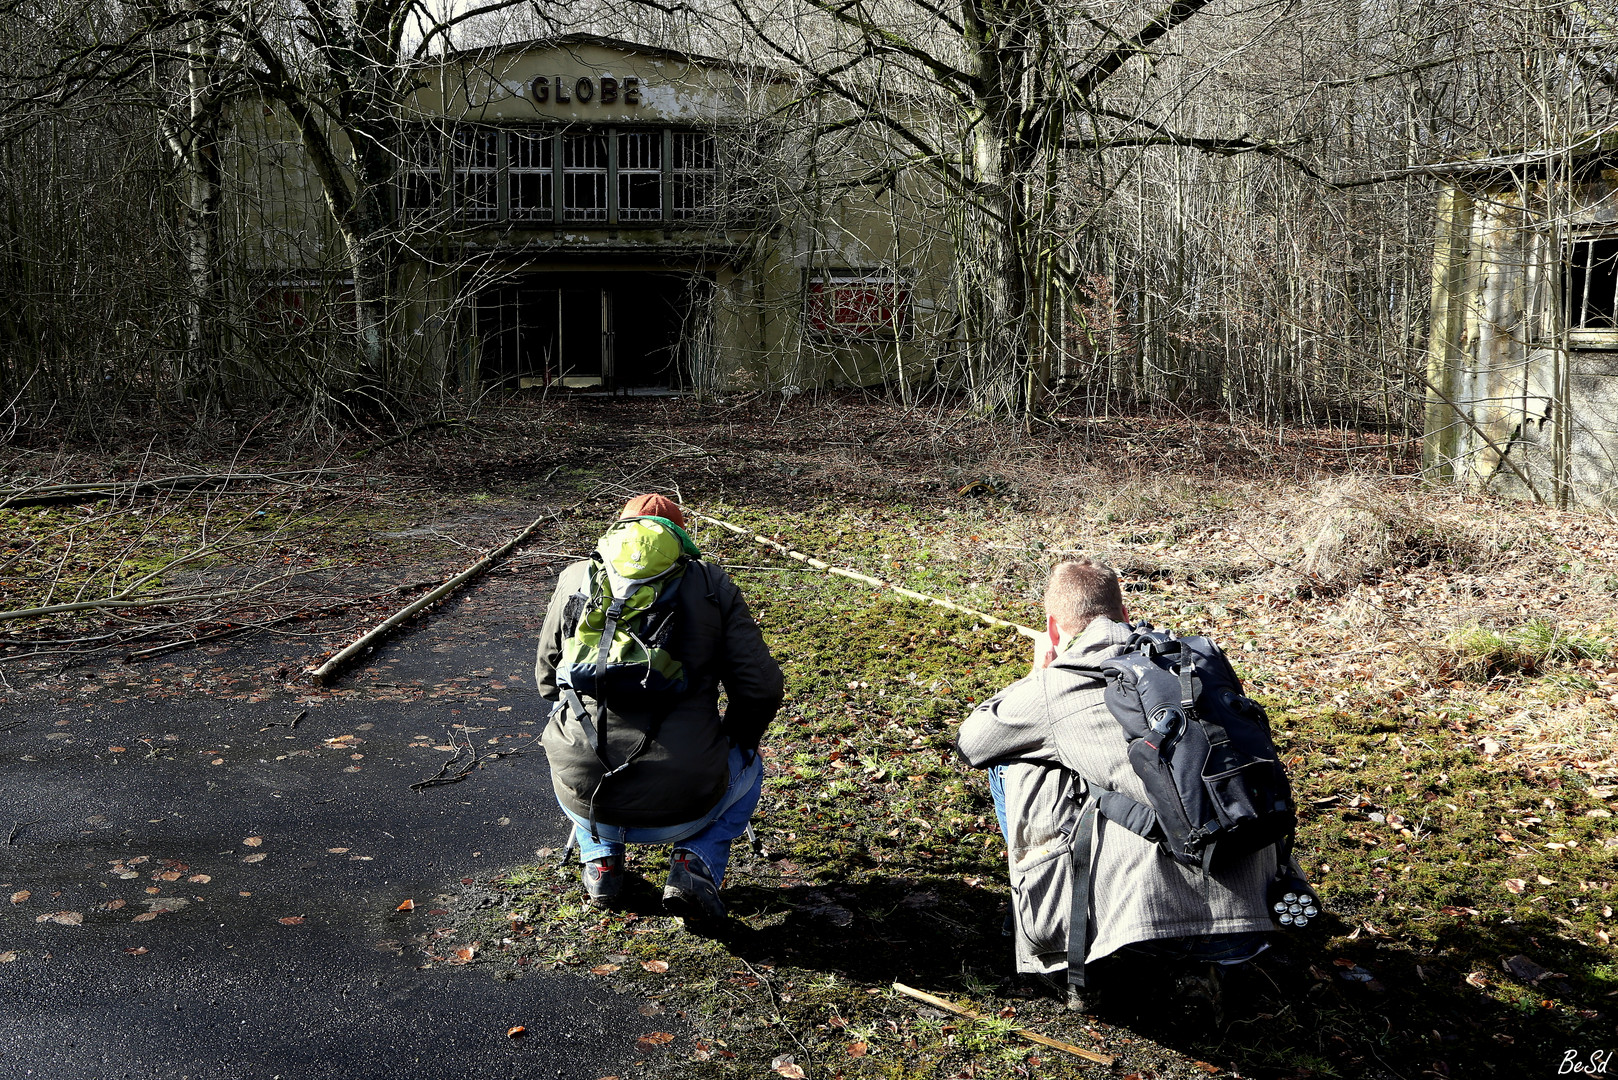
615, 635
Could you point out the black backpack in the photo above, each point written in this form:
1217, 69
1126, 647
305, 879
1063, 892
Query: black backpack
1201, 747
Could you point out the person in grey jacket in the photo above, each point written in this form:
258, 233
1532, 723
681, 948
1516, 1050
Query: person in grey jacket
1048, 736
697, 779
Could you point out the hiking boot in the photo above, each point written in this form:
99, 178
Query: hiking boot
604, 879
691, 892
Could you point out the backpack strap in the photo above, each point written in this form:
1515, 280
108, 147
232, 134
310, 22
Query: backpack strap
1083, 851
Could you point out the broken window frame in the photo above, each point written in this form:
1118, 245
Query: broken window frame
694, 170
857, 304
639, 172
530, 158
582, 171
421, 173
475, 182
1590, 300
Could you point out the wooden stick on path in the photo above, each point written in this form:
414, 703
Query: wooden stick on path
1025, 631
327, 671
1031, 1036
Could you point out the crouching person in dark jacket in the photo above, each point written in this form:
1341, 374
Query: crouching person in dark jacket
661, 767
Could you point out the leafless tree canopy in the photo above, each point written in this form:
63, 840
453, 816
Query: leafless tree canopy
1184, 204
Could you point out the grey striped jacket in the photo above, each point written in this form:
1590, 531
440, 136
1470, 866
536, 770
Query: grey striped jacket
1053, 731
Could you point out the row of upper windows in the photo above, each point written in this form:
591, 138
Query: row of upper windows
604, 175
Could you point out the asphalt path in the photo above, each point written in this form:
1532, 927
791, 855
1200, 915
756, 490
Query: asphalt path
205, 885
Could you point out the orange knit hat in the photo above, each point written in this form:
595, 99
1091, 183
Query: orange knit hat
653, 506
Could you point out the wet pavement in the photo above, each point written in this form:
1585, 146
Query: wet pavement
207, 884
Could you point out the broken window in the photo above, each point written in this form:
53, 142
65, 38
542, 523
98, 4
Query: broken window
695, 174
584, 176
858, 304
640, 176
475, 158
528, 155
421, 173
1592, 284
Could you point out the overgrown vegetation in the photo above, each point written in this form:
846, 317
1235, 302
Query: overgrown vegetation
1459, 830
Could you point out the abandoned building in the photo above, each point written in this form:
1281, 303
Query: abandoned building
1522, 373
587, 213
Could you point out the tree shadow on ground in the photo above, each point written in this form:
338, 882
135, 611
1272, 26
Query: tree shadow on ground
1320, 1004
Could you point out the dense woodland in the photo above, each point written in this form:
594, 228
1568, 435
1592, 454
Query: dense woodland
1200, 205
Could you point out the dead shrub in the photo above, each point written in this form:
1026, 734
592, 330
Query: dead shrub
1358, 530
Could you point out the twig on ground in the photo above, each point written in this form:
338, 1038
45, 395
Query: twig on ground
1031, 1036
17, 827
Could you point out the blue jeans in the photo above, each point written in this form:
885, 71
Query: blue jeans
709, 836
997, 792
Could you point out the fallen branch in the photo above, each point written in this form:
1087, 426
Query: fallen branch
1031, 1036
825, 567
368, 640
72, 494
371, 638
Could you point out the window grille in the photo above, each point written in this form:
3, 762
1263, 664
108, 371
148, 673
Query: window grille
421, 173
475, 156
696, 174
584, 176
640, 176
1592, 284
528, 157
858, 304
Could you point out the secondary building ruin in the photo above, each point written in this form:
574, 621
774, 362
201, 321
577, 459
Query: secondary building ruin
591, 213
1522, 372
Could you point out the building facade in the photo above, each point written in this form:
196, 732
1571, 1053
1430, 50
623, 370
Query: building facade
586, 213
1522, 367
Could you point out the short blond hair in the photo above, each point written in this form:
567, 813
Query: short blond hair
1081, 589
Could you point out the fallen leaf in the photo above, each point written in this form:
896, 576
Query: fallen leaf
337, 850
63, 918
787, 1067
516, 1032
857, 1049
604, 969
20, 895
217, 761
1205, 1067
167, 875
7, 957
253, 858
1543, 880
200, 879
657, 967
465, 953
655, 1039
254, 841
290, 920
1516, 885
112, 905
1477, 979
117, 749
650, 1008
146, 916
140, 951
407, 905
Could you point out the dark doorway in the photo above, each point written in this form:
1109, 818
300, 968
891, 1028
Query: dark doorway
623, 330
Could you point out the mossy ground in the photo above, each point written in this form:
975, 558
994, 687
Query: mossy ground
1455, 798
1440, 851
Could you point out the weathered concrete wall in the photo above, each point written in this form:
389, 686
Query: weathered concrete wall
1516, 402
